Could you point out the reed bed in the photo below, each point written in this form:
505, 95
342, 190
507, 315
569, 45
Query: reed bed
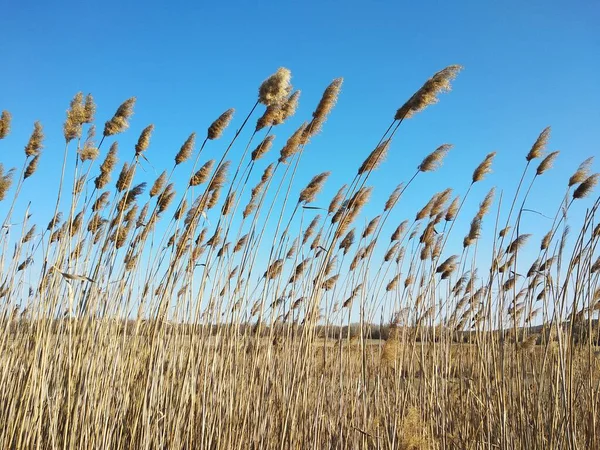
240, 310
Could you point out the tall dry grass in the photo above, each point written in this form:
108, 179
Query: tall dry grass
142, 316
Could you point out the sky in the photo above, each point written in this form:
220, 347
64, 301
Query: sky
527, 65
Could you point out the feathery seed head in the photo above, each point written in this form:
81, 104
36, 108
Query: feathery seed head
308, 194
484, 168
486, 204
186, 149
586, 187
5, 119
218, 126
125, 177
31, 167
75, 118
582, 172
546, 163
158, 185
101, 201
335, 202
427, 94
5, 181
144, 140
434, 160
375, 158
220, 177
539, 145
311, 228
275, 89
324, 107
393, 198
288, 109
119, 121
107, 167
370, 228
292, 145
452, 210
347, 242
515, 245
89, 109
262, 148
34, 145
202, 174
399, 231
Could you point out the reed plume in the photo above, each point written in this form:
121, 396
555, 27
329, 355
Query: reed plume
186, 150
375, 158
275, 89
539, 145
263, 147
434, 160
546, 163
144, 140
120, 121
586, 187
5, 119
427, 94
201, 176
218, 126
34, 146
323, 109
309, 193
582, 172
484, 168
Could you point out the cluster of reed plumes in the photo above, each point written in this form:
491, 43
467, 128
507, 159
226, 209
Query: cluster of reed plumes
215, 313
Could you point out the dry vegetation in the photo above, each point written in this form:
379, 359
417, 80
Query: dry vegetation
154, 321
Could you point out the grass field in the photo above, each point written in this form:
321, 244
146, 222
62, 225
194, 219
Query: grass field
134, 319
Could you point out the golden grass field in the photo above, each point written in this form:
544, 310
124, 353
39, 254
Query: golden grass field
236, 311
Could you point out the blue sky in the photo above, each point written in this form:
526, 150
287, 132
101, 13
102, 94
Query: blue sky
527, 65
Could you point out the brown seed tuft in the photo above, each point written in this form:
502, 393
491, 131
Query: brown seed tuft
5, 119
31, 167
427, 94
308, 194
452, 210
434, 160
125, 177
515, 245
107, 167
370, 228
202, 174
337, 199
220, 177
586, 187
5, 181
375, 158
186, 149
539, 145
218, 126
311, 229
144, 140
393, 198
158, 185
75, 118
262, 148
34, 145
324, 107
89, 109
484, 168
292, 145
582, 172
546, 163
119, 121
275, 89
